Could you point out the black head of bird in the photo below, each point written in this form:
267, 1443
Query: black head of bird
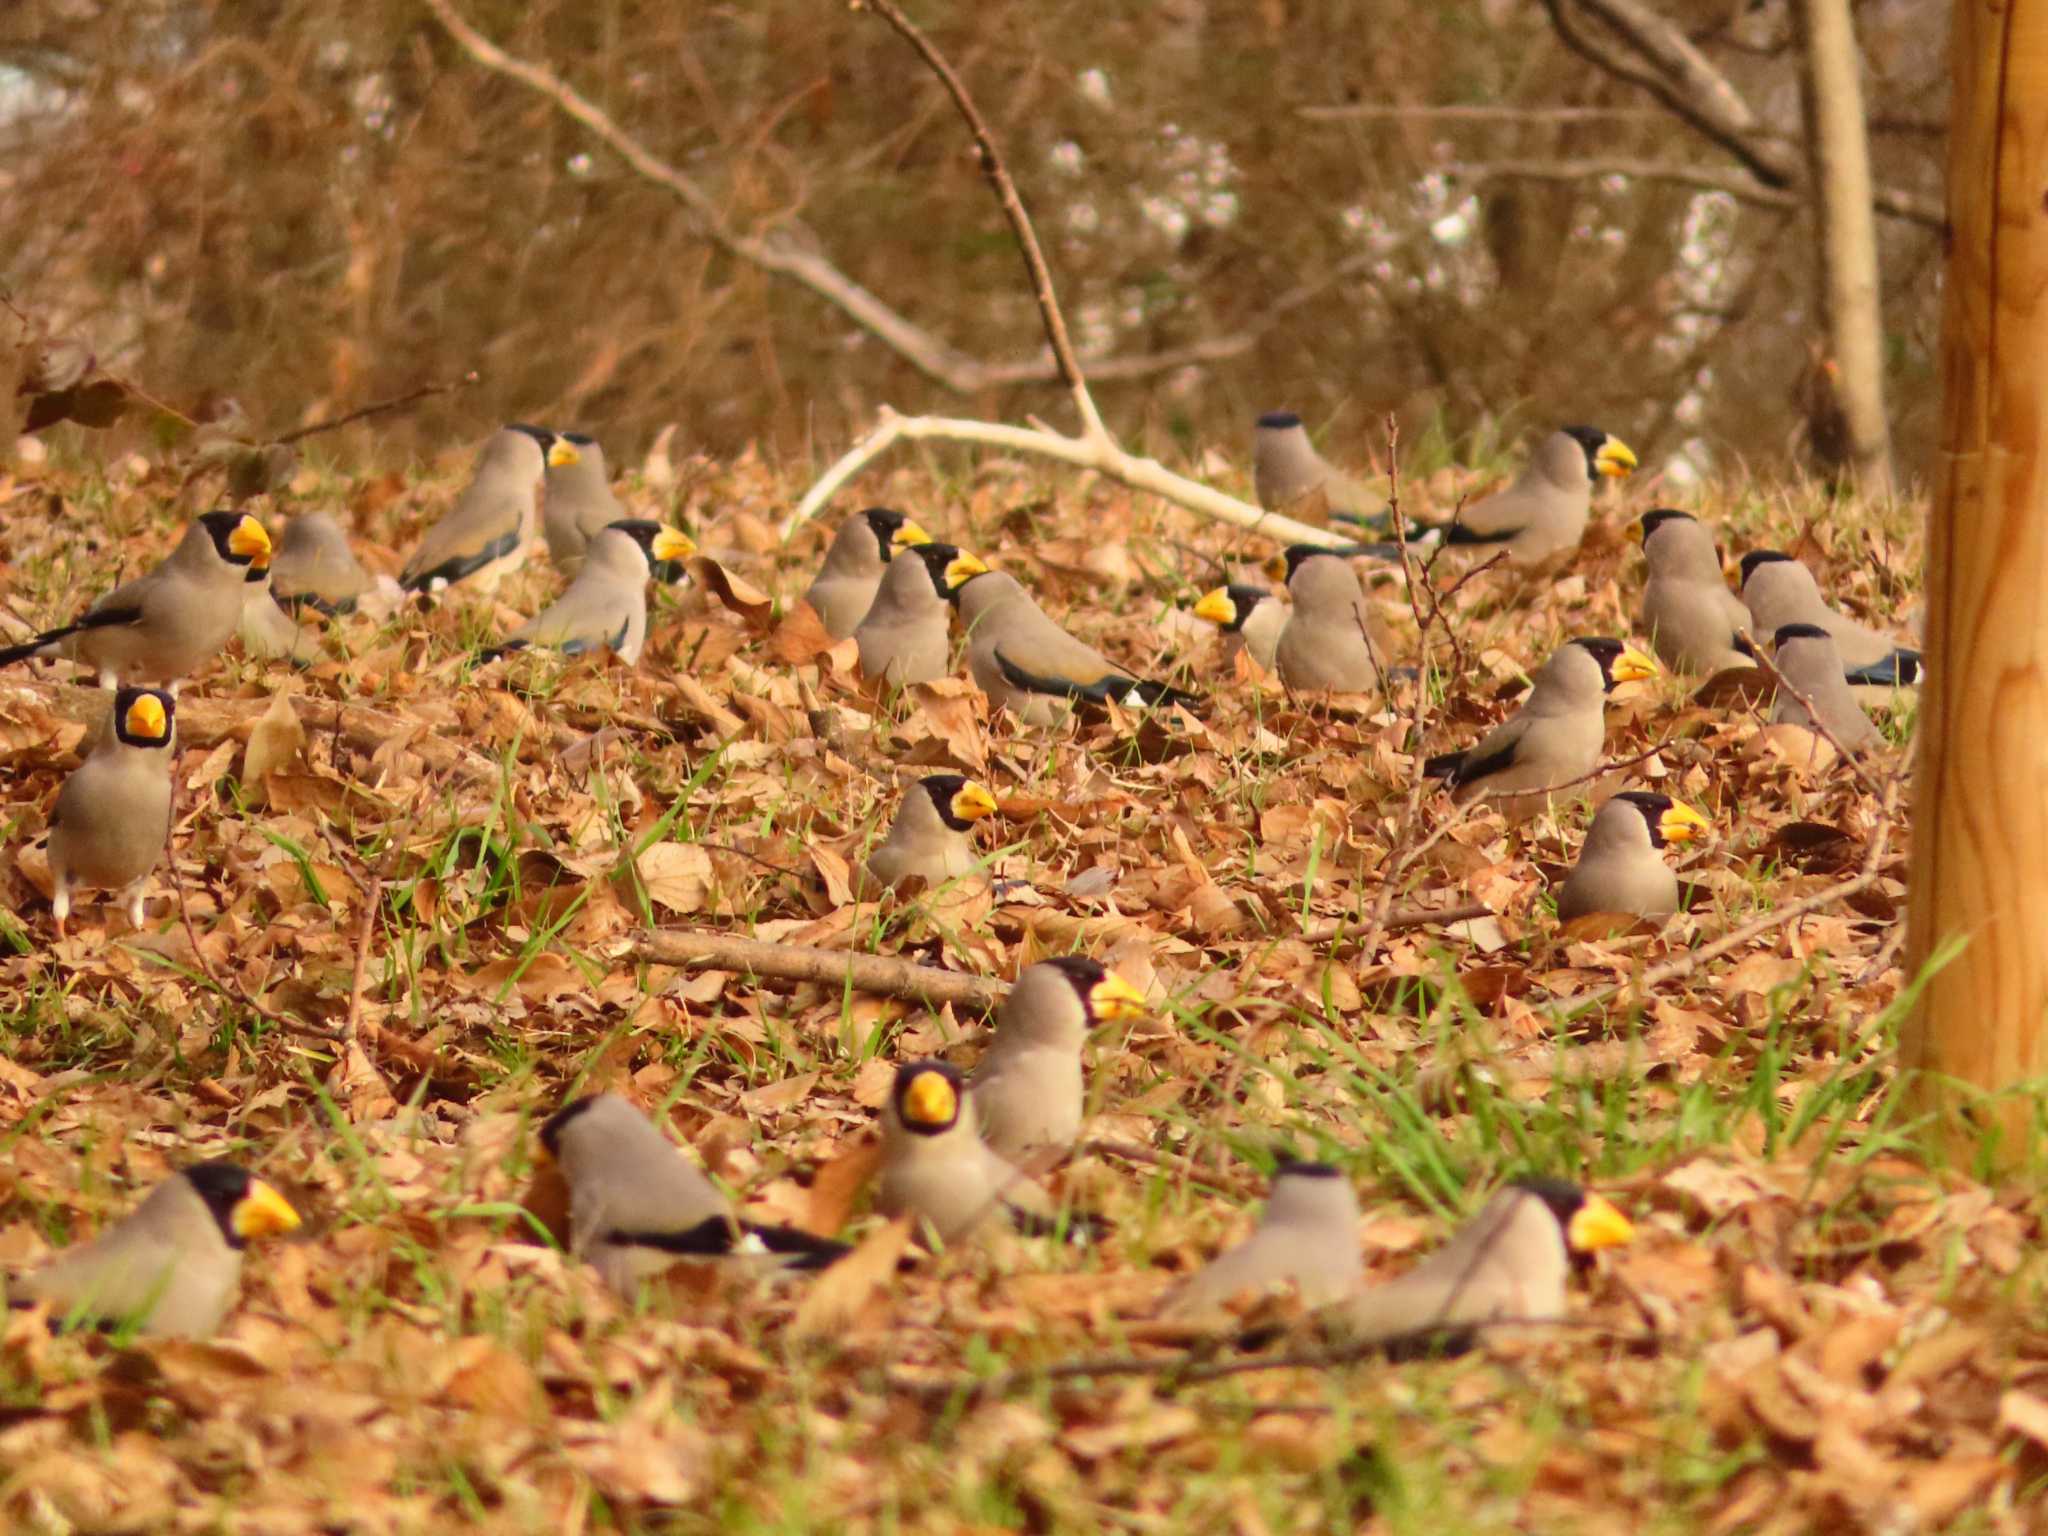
243, 1204
927, 1096
1605, 454
664, 546
1279, 421
541, 435
142, 716
951, 567
1656, 518
1589, 1222
1790, 632
893, 530
959, 800
1619, 663
1297, 553
1760, 557
1229, 606
1105, 996
1668, 820
239, 539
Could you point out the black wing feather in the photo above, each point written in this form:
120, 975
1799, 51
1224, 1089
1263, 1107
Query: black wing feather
453, 570
1901, 669
1116, 687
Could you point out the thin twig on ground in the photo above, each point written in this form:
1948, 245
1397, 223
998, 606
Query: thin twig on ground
1191, 1367
379, 408
882, 975
1778, 917
1817, 725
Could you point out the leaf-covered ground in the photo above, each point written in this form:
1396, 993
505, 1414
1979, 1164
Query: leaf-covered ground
1817, 1327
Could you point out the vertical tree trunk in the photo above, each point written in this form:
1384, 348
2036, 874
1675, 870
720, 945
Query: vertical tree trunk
1838, 157
1980, 818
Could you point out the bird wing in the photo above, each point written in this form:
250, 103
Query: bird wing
1495, 753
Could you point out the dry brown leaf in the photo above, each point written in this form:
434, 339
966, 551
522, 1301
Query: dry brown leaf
676, 876
839, 1297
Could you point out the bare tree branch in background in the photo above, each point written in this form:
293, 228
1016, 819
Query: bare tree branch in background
1093, 448
1743, 188
793, 251
1838, 150
1657, 57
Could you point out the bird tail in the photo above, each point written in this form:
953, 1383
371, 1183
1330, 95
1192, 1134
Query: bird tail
99, 618
1901, 669
1444, 765
1111, 687
500, 650
807, 1251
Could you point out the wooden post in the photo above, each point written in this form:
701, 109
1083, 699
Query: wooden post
1980, 815
1838, 158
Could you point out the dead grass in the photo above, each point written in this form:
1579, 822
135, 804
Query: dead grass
1816, 1329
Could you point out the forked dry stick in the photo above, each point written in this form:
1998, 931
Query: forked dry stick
1190, 1367
1092, 447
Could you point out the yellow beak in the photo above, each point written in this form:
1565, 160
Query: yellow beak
972, 802
930, 1100
909, 536
961, 567
1113, 999
1217, 607
1682, 824
1596, 1225
251, 542
146, 718
561, 451
263, 1212
1632, 666
673, 544
1615, 458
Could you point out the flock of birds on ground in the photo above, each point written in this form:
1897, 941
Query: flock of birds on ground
961, 1155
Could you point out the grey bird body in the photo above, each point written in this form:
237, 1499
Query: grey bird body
638, 1207
1028, 1084
1509, 1263
172, 1266
1287, 467
931, 838
315, 568
113, 814
1621, 867
484, 536
605, 606
1778, 591
906, 636
861, 551
1542, 516
579, 504
1807, 657
1556, 736
937, 1170
171, 621
1691, 615
1307, 1237
265, 628
1331, 641
1030, 666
